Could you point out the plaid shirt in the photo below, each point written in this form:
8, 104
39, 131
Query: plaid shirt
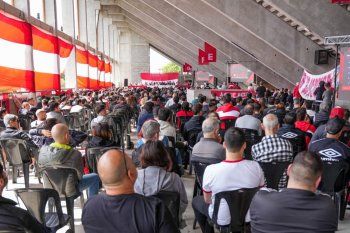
274, 149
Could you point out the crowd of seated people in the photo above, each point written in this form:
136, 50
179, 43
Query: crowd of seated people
173, 132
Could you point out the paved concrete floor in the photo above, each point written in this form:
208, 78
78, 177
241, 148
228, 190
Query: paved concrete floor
344, 226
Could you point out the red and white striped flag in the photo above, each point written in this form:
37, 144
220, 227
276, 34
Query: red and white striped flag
101, 72
82, 67
45, 60
16, 68
108, 82
65, 50
92, 58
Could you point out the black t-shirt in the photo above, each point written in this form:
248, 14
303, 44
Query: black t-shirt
131, 213
330, 150
295, 136
292, 211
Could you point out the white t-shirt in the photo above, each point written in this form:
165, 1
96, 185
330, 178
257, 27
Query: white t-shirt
229, 176
76, 108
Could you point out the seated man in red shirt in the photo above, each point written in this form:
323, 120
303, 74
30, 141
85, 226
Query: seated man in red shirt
227, 112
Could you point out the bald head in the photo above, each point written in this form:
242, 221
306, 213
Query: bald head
60, 133
116, 170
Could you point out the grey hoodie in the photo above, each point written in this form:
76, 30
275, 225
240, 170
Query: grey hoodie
153, 179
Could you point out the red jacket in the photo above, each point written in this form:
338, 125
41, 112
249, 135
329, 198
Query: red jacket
228, 112
306, 127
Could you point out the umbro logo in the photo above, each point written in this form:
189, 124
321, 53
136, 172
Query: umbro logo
330, 153
289, 135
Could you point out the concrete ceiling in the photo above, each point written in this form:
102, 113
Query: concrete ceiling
249, 32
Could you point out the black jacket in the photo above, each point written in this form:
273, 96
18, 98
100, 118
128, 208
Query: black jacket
295, 136
319, 91
320, 118
13, 219
76, 137
13, 133
194, 124
100, 142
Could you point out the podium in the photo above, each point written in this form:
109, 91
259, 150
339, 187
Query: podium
193, 93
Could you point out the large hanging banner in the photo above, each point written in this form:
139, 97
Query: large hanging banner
45, 60
16, 68
101, 72
310, 82
160, 80
234, 92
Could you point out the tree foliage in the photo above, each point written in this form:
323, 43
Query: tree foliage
171, 67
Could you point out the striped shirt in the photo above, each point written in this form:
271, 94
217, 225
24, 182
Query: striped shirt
273, 149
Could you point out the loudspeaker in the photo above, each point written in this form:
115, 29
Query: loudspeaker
321, 57
126, 82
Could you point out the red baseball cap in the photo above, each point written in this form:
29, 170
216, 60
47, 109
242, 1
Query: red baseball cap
337, 112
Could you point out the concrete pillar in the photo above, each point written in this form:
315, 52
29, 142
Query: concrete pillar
133, 55
140, 60
100, 34
125, 54
106, 32
49, 11
68, 17
82, 15
92, 8
22, 5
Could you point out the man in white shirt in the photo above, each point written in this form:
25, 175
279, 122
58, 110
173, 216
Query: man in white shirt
101, 115
41, 117
232, 174
170, 101
78, 107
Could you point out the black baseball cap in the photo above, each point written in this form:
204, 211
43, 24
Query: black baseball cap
335, 125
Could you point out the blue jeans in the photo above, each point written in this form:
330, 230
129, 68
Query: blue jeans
91, 182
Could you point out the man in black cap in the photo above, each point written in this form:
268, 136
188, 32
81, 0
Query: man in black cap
330, 149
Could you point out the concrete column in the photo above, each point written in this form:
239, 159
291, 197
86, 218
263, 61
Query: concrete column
82, 15
100, 34
92, 8
125, 54
106, 23
68, 17
22, 5
133, 55
140, 60
49, 11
